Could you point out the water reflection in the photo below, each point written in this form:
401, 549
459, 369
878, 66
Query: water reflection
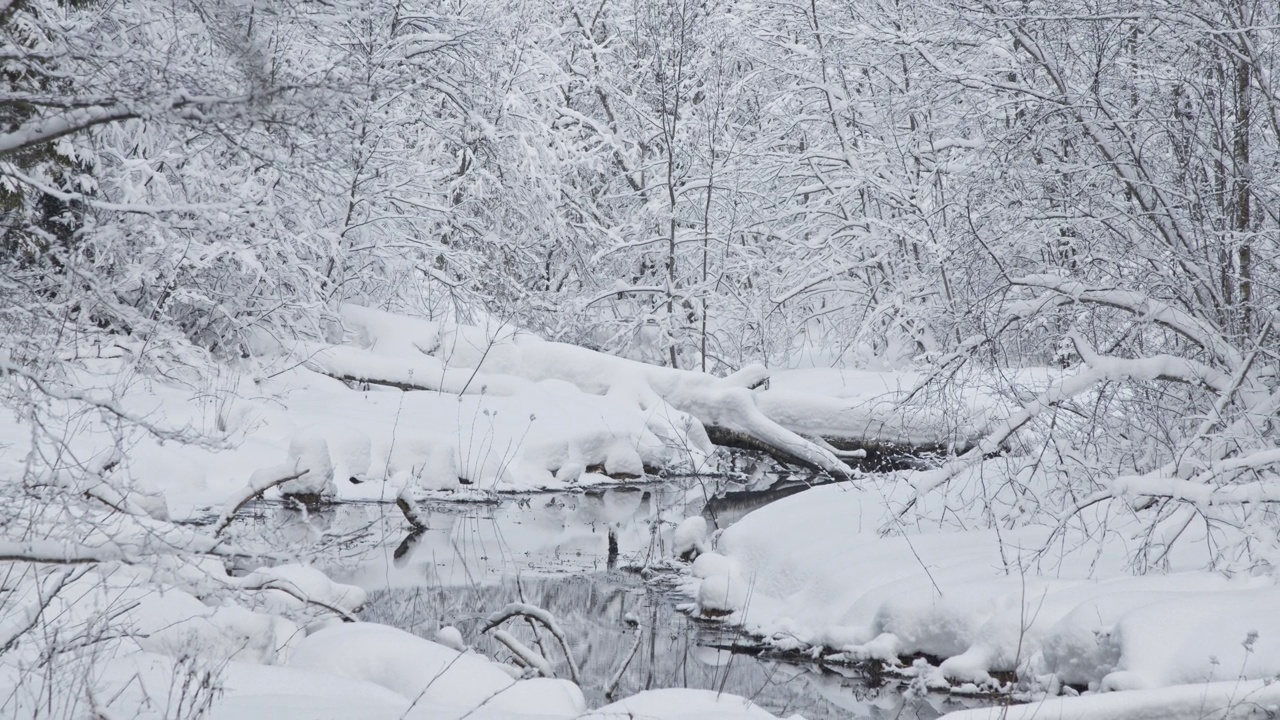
552, 550
674, 650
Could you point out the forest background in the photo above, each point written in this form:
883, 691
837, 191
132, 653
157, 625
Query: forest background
938, 184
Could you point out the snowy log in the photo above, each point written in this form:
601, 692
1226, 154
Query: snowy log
57, 553
135, 544
474, 360
412, 372
412, 513
726, 437
746, 429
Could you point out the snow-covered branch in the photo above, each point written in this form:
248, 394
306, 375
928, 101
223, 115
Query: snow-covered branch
1098, 369
112, 407
261, 481
19, 621
1192, 328
1213, 484
547, 620
524, 654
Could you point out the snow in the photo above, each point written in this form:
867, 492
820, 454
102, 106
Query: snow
508, 412
1235, 699
817, 569
868, 405
689, 537
167, 646
841, 568
680, 704
209, 216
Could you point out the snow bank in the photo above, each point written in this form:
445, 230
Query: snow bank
680, 704
491, 408
429, 672
150, 686
1207, 701
815, 569
133, 645
369, 444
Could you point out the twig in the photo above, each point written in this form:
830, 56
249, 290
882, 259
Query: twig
612, 687
525, 654
548, 621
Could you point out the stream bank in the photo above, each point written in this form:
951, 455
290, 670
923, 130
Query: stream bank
553, 550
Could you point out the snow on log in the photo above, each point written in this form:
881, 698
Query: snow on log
412, 513
55, 552
424, 372
500, 361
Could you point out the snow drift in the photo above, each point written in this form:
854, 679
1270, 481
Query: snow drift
838, 568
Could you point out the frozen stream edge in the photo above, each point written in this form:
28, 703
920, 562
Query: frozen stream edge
553, 547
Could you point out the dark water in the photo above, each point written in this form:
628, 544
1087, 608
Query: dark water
552, 550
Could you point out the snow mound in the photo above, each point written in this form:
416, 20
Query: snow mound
690, 537
1219, 700
449, 637
815, 569
429, 672
309, 454
173, 623
293, 587
680, 704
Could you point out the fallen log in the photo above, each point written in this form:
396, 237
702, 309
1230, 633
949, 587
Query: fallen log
724, 406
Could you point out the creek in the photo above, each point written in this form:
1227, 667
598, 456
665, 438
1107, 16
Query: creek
553, 550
